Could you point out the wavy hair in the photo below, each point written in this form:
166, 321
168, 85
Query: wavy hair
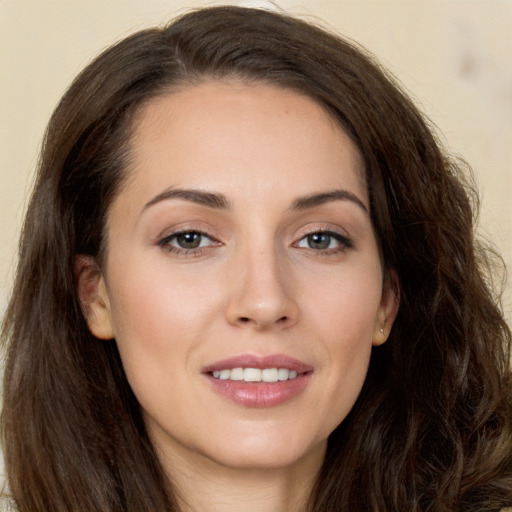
432, 427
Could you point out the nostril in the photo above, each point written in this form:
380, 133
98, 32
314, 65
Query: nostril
248, 320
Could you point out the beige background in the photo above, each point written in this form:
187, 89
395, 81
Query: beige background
454, 56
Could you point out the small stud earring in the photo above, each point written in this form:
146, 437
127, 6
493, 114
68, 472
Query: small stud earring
382, 330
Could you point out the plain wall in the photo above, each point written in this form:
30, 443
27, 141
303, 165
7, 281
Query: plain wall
453, 56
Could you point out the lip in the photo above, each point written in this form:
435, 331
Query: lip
261, 362
260, 394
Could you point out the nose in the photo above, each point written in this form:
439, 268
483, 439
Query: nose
261, 292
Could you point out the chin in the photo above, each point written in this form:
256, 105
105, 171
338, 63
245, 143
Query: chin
262, 453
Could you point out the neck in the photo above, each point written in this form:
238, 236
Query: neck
202, 485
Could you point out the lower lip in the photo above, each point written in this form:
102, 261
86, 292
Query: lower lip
260, 394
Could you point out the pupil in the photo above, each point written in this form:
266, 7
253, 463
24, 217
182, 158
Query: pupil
189, 240
319, 241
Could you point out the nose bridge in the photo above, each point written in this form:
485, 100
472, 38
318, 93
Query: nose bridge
260, 292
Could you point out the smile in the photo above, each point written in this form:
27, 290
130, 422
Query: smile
255, 374
259, 381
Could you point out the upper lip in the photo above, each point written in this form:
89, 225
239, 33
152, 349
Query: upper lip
261, 362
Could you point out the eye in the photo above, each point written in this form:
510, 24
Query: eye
324, 241
186, 241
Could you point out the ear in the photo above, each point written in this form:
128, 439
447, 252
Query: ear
388, 309
93, 297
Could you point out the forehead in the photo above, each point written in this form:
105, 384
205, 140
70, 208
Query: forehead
221, 131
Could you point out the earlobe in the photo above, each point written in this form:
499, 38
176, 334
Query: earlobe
93, 296
388, 309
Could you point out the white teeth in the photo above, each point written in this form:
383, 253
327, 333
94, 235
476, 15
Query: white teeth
255, 374
282, 374
237, 374
270, 375
251, 375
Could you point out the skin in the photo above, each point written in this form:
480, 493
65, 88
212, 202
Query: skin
256, 285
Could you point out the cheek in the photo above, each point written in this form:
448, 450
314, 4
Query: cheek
159, 318
347, 306
150, 298
343, 318
159, 322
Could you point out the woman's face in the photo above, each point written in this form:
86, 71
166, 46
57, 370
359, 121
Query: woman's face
242, 280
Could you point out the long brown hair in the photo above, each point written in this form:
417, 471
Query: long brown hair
432, 428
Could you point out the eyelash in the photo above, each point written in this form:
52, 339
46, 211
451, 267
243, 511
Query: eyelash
343, 241
165, 243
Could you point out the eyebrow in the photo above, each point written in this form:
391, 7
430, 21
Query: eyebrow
220, 202
210, 199
313, 200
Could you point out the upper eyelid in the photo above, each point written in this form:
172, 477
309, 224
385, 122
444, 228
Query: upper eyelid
324, 228
175, 234
340, 237
212, 234
165, 243
176, 231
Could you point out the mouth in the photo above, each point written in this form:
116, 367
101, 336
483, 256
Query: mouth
256, 374
259, 381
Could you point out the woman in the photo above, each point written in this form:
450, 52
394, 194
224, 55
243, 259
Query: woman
248, 281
